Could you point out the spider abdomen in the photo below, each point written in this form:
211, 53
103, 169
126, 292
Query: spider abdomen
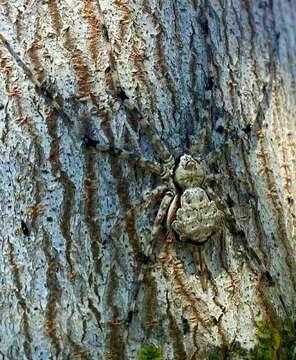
198, 218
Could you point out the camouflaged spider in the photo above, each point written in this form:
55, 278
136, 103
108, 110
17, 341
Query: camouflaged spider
191, 216
188, 213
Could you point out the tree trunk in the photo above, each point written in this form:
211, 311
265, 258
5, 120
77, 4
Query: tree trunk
211, 77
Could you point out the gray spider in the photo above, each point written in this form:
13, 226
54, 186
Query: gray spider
185, 209
190, 216
197, 218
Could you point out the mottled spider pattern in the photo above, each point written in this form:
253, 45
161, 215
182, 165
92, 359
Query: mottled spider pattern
198, 218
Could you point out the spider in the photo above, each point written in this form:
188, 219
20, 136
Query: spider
186, 209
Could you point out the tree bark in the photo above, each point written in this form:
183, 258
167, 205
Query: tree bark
74, 228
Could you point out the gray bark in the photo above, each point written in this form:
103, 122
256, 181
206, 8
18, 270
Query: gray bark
73, 242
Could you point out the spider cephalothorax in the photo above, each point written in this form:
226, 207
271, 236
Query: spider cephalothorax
189, 173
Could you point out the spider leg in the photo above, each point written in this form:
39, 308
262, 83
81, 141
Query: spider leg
158, 145
215, 177
231, 224
241, 135
162, 211
149, 165
53, 98
136, 206
172, 214
216, 154
41, 87
160, 189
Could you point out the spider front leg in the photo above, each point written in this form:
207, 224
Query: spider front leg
158, 145
41, 87
162, 211
149, 165
237, 137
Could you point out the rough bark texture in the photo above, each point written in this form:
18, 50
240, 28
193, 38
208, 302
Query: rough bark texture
72, 245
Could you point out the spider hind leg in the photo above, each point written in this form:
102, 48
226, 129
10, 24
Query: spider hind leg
162, 211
